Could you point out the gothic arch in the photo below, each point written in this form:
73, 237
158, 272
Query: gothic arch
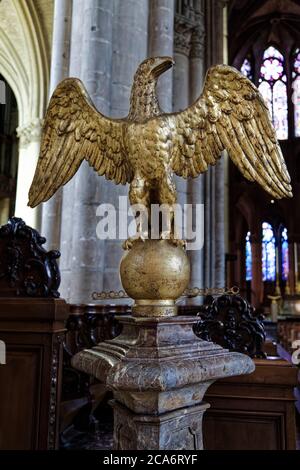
25, 64
253, 26
24, 58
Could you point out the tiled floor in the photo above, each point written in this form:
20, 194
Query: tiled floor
99, 440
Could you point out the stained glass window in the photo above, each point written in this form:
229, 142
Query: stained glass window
272, 85
248, 258
284, 255
296, 90
246, 68
268, 253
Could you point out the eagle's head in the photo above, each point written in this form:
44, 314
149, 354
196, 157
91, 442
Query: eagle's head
143, 101
153, 67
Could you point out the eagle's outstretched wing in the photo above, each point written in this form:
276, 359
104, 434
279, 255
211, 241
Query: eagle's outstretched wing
73, 131
229, 115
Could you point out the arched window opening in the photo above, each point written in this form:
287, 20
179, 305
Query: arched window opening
296, 90
284, 255
269, 242
272, 85
248, 258
268, 253
8, 152
246, 68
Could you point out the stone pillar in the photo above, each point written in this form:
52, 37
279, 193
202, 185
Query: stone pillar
215, 177
196, 186
209, 227
197, 56
182, 36
161, 31
29, 146
115, 49
66, 236
130, 34
219, 267
221, 169
83, 261
60, 42
51, 210
181, 77
187, 86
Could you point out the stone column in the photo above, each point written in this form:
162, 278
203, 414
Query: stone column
187, 85
182, 37
196, 186
29, 145
161, 31
60, 42
51, 210
84, 262
66, 236
115, 49
220, 169
209, 227
130, 34
220, 224
181, 82
197, 57
215, 177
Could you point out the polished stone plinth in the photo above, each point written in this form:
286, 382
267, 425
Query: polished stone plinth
159, 372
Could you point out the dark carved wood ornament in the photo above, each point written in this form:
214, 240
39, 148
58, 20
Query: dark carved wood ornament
26, 268
228, 321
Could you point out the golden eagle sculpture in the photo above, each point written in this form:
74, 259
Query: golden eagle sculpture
147, 147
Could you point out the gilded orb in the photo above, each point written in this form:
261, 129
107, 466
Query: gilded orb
155, 273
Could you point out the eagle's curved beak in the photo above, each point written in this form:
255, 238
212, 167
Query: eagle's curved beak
162, 64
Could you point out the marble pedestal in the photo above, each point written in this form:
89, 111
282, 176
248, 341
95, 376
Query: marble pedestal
159, 372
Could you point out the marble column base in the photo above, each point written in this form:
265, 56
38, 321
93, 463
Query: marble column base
159, 371
180, 429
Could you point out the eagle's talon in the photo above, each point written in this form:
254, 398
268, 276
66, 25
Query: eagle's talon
180, 243
167, 235
128, 244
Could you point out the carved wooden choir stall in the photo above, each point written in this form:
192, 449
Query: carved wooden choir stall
255, 411
32, 325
